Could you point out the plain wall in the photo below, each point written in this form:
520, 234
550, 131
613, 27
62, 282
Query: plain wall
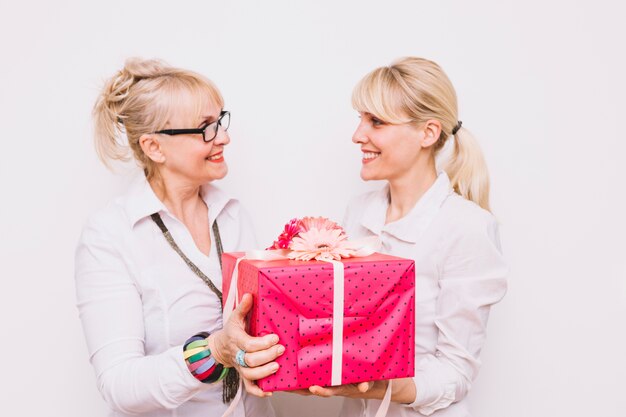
540, 83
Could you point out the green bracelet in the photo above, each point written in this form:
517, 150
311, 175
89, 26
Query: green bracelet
197, 343
223, 374
199, 356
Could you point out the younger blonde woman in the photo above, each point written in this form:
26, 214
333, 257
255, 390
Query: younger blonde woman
437, 216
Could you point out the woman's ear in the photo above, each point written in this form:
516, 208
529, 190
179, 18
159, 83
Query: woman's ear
152, 148
432, 131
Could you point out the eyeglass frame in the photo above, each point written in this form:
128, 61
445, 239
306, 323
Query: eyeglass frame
199, 130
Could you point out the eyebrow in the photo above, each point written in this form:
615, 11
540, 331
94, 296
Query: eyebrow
208, 119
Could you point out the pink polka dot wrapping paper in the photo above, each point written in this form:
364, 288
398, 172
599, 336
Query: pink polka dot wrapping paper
294, 299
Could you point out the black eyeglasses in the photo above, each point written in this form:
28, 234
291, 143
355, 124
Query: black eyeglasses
209, 132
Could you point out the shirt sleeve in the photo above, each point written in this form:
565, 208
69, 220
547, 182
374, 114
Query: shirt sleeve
472, 278
111, 312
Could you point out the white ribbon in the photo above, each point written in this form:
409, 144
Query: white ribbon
338, 304
365, 247
361, 248
386, 402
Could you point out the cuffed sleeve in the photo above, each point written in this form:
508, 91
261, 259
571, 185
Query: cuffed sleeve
472, 278
111, 312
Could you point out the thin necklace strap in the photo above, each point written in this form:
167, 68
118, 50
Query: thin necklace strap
218, 242
231, 382
168, 236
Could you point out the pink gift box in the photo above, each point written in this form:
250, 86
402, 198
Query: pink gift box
294, 300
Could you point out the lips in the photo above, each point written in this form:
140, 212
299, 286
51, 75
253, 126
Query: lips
218, 157
369, 156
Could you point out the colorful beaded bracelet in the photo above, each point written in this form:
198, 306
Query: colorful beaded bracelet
199, 361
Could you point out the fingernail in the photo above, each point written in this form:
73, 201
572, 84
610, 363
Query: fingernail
275, 368
281, 349
274, 338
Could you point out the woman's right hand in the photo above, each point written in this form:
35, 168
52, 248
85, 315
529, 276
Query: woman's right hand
261, 352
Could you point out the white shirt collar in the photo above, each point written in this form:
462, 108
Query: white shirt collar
141, 202
411, 226
218, 201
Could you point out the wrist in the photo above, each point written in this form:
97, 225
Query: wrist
403, 391
380, 389
215, 346
200, 361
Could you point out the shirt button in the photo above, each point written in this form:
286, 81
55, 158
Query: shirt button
438, 354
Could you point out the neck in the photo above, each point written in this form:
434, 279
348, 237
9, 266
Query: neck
406, 190
181, 198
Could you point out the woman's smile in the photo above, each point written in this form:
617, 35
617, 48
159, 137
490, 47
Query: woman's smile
369, 156
216, 158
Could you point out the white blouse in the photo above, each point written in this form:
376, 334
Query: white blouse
139, 301
459, 274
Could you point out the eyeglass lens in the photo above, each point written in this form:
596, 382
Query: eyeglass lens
210, 132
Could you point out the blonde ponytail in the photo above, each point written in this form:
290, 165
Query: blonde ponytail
467, 169
139, 100
414, 90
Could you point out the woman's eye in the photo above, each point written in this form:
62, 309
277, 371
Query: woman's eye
206, 125
376, 122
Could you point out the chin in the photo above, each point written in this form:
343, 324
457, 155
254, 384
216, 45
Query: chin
221, 173
213, 176
368, 176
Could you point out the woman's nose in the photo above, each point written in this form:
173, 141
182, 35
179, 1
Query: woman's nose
222, 138
359, 135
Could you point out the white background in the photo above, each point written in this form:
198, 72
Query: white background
540, 83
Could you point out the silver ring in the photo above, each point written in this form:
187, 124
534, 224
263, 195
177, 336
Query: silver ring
240, 359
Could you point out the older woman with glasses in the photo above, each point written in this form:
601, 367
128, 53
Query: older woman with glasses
148, 265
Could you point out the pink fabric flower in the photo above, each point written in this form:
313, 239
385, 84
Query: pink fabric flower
313, 238
320, 244
319, 223
290, 231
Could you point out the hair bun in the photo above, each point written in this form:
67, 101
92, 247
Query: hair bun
139, 68
135, 69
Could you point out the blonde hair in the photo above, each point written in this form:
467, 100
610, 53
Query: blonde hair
140, 99
414, 90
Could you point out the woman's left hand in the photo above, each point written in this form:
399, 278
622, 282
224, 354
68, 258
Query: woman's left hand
361, 390
403, 390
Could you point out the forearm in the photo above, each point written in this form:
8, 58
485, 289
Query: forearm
402, 391
148, 383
